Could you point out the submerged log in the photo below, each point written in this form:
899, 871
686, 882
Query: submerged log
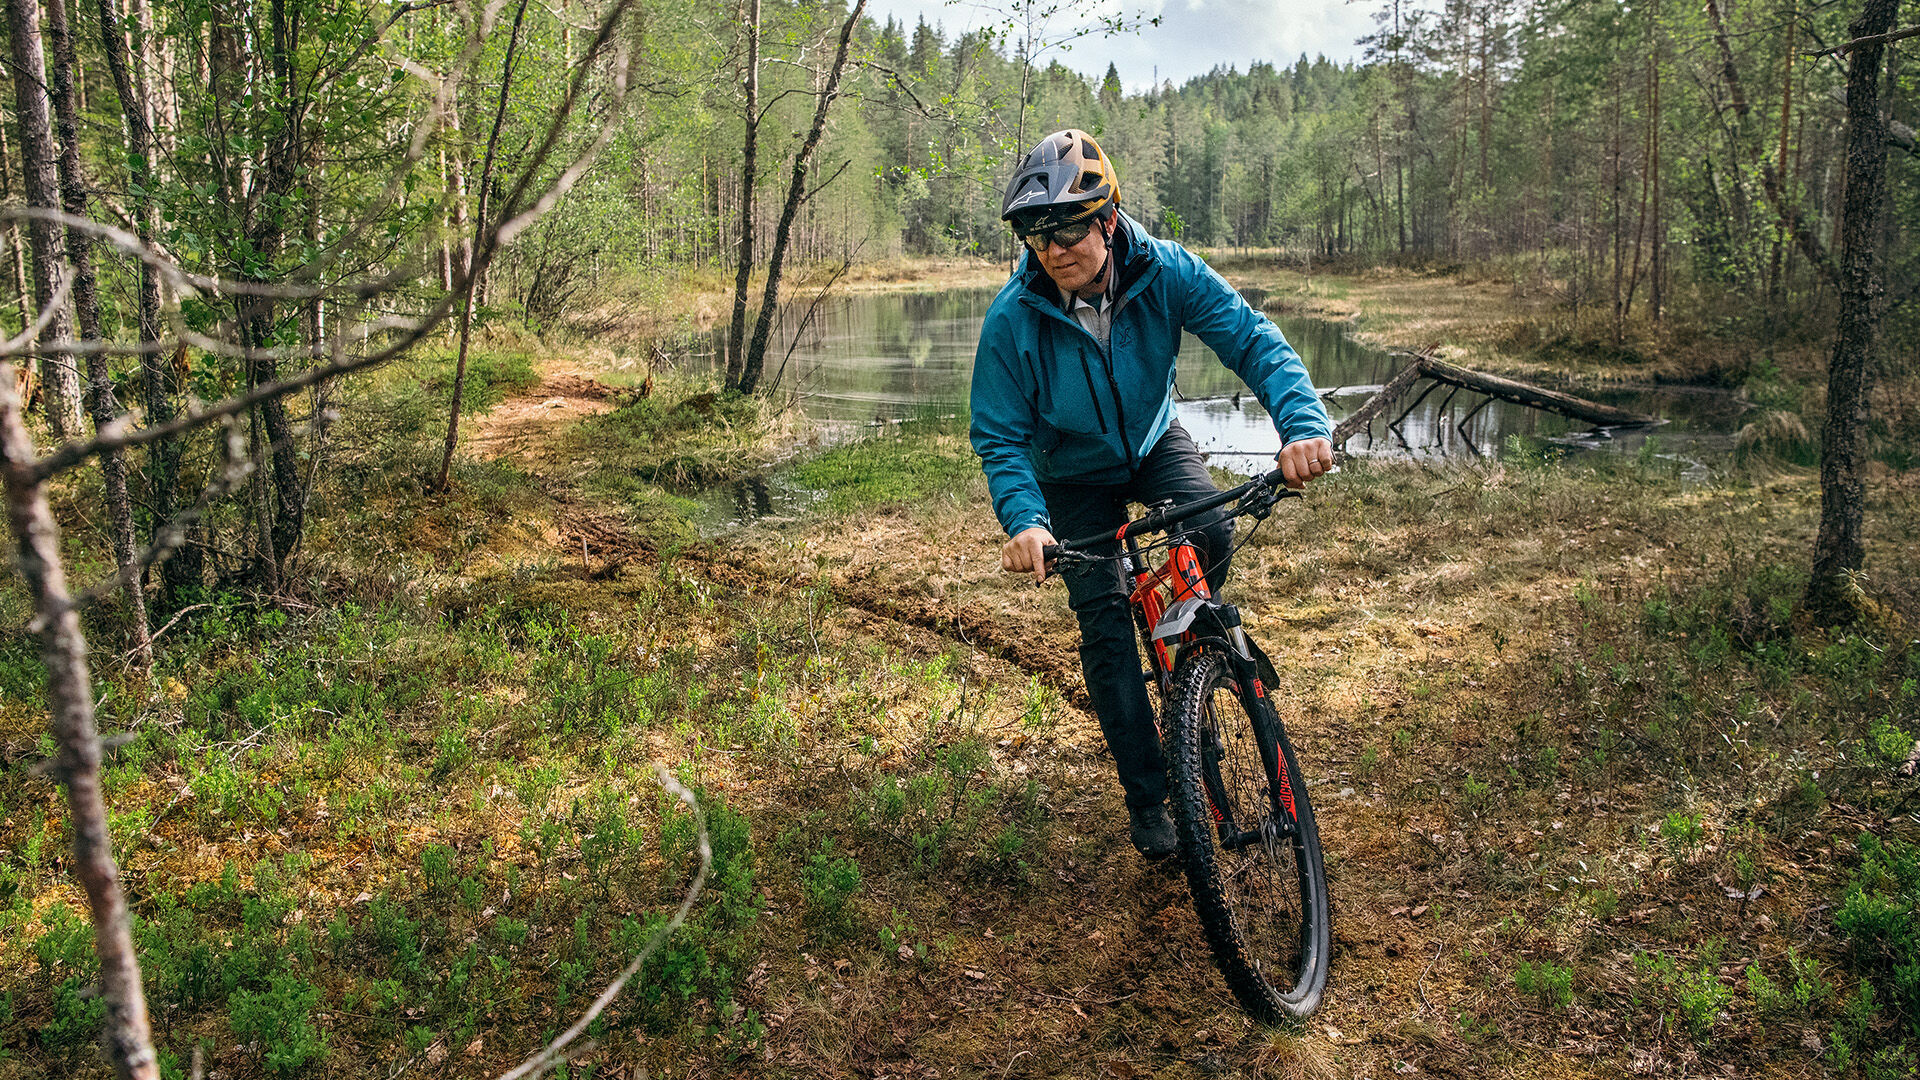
1424, 365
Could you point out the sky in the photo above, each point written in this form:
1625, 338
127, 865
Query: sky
1194, 36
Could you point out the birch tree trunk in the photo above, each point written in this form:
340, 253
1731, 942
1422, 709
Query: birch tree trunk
17, 252
86, 304
125, 1035
178, 574
60, 379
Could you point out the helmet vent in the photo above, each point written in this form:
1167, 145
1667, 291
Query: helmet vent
1088, 181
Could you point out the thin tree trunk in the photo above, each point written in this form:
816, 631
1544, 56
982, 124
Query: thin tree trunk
1776, 271
1646, 192
60, 379
179, 573
86, 304
743, 273
1840, 549
1614, 214
1656, 294
268, 215
1790, 215
125, 1035
17, 248
462, 256
755, 364
471, 273
266, 558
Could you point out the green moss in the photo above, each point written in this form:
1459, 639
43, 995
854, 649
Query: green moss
491, 377
884, 470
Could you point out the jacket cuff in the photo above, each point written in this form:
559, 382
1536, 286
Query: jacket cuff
1027, 521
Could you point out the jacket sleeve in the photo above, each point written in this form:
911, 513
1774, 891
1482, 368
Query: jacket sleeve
1004, 422
1250, 345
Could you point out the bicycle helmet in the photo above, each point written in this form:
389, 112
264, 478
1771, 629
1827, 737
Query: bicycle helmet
1064, 179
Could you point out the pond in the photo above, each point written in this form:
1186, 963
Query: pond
866, 363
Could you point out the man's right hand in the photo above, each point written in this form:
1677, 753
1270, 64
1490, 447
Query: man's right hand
1021, 555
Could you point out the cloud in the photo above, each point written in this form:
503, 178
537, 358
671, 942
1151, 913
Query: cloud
1193, 37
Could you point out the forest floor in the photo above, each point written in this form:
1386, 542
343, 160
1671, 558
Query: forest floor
1590, 796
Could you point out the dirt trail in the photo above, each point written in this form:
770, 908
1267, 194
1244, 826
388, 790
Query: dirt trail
525, 425
1413, 641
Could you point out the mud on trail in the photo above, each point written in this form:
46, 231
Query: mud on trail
1478, 815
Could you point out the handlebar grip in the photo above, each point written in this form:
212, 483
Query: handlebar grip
1049, 552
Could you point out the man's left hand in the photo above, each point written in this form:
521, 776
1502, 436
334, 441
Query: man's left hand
1303, 460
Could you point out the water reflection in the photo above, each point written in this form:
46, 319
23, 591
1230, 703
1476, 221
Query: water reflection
863, 362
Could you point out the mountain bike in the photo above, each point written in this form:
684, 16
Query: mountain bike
1248, 841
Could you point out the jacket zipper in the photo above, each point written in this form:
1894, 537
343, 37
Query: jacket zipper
1106, 354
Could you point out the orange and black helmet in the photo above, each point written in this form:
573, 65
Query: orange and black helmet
1064, 179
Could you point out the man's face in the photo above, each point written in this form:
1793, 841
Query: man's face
1077, 267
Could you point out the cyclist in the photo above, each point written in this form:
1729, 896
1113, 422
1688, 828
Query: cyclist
1073, 417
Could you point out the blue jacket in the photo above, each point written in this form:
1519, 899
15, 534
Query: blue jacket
1049, 404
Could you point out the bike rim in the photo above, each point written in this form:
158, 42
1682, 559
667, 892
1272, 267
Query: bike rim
1264, 882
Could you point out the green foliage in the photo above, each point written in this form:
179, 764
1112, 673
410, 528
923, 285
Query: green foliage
491, 376
77, 1015
1693, 993
886, 470
1879, 920
1040, 707
939, 807
278, 1021
828, 884
1805, 991
1682, 832
1548, 983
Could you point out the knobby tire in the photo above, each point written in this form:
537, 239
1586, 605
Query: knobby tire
1263, 906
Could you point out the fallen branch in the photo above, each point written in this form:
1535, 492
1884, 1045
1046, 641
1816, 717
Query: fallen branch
1396, 387
1424, 365
1535, 397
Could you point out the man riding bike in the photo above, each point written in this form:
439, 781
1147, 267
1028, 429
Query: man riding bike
1073, 417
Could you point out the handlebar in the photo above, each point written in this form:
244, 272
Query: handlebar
1263, 490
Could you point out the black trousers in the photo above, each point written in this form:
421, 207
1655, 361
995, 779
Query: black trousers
1097, 592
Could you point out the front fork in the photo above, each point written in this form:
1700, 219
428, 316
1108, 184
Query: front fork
1278, 824
1275, 823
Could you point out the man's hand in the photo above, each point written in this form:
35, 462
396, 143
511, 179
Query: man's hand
1021, 555
1303, 460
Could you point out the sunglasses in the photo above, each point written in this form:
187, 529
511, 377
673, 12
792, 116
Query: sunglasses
1065, 236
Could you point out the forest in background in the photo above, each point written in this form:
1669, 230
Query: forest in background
1619, 152
1629, 160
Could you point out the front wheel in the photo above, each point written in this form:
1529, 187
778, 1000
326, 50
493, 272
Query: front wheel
1248, 839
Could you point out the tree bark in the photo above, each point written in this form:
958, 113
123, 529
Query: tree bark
180, 573
754, 364
471, 271
1840, 550
1790, 215
60, 378
17, 251
86, 305
737, 340
125, 1035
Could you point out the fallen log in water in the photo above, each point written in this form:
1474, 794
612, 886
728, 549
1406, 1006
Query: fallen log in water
1423, 365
